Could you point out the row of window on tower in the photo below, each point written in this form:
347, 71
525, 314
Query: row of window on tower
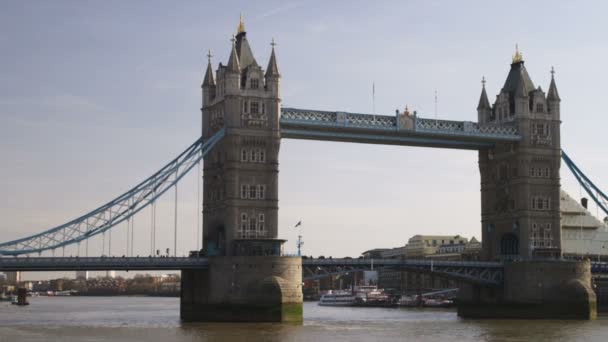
253, 155
540, 203
252, 226
541, 129
253, 191
254, 107
540, 172
503, 110
541, 235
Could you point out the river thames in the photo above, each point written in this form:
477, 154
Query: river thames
157, 319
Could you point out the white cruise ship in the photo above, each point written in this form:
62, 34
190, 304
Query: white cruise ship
337, 299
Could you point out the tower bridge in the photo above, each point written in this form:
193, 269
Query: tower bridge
242, 274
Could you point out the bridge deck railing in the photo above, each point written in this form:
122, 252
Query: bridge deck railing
320, 118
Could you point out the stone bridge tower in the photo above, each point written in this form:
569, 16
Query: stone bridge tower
520, 181
520, 213
247, 278
240, 205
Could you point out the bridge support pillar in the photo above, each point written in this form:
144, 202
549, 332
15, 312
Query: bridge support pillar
244, 289
547, 289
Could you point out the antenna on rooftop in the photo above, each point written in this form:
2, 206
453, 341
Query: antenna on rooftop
435, 104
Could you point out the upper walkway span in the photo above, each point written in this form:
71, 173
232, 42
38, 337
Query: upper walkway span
401, 129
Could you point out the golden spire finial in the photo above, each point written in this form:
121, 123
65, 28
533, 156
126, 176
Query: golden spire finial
241, 27
517, 57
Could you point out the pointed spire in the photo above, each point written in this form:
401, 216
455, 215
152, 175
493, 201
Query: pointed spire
241, 27
233, 60
484, 103
552, 94
273, 69
517, 57
209, 80
521, 90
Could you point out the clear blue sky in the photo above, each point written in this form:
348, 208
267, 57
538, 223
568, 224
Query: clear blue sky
97, 95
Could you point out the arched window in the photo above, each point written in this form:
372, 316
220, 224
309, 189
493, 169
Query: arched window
261, 191
244, 222
540, 108
252, 223
261, 222
509, 244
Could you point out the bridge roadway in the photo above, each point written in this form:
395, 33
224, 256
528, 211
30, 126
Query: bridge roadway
487, 273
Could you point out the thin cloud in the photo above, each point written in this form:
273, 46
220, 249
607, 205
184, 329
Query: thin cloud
277, 10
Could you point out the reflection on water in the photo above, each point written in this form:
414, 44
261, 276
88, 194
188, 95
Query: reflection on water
157, 319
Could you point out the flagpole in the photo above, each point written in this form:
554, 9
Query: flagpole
374, 98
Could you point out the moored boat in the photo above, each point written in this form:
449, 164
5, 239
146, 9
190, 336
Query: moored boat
337, 299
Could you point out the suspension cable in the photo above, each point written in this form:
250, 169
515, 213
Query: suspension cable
580, 196
198, 206
154, 228
128, 227
175, 220
132, 235
116, 211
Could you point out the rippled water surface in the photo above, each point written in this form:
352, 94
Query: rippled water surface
157, 319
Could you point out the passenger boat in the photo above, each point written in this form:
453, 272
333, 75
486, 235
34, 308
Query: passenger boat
407, 301
337, 299
371, 296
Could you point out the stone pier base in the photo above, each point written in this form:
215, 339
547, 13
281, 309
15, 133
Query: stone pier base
244, 289
554, 289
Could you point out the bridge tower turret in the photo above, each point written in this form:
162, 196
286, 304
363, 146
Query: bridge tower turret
208, 85
484, 110
520, 181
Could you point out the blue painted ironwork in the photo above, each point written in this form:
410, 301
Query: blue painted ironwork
292, 118
117, 210
486, 273
598, 196
101, 263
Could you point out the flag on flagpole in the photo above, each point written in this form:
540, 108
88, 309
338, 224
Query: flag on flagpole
298, 224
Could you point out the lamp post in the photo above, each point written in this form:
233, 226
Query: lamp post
300, 243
